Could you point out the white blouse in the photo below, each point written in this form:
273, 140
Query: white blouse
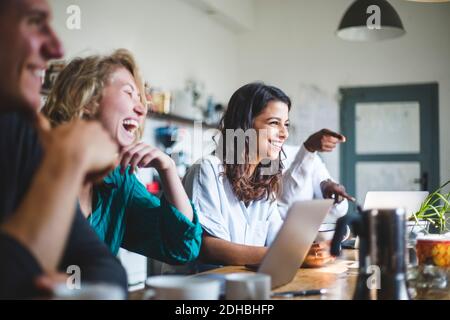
223, 216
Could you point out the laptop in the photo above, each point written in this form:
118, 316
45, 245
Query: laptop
409, 200
294, 239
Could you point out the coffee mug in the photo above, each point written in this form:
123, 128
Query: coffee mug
247, 286
175, 287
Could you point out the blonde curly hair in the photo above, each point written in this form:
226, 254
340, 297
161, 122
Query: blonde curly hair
78, 89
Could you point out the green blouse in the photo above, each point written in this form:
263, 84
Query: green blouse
125, 214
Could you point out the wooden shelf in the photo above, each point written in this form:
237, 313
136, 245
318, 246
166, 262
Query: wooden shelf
179, 119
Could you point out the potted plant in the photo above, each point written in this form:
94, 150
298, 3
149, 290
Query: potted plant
434, 211
434, 248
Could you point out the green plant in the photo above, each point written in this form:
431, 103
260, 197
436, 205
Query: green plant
435, 209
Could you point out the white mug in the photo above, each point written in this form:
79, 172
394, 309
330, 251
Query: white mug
175, 287
247, 286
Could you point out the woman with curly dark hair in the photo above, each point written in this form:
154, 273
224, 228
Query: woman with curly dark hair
240, 190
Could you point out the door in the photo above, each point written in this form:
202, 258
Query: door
393, 138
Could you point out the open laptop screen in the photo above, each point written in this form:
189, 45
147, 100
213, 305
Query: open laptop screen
292, 243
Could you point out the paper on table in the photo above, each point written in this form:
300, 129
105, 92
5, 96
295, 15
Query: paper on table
337, 267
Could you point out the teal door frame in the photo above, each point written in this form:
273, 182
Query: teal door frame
426, 95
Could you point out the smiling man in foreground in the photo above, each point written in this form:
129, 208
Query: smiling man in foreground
42, 232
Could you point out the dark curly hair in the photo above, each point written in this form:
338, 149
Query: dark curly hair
244, 105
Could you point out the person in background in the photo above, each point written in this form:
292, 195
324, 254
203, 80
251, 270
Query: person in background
42, 232
235, 191
120, 209
316, 182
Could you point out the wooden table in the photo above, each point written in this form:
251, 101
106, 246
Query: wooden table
338, 277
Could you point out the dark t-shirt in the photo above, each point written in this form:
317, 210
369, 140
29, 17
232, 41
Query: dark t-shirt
20, 156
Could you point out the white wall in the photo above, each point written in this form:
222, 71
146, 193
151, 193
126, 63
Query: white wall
172, 40
238, 15
293, 46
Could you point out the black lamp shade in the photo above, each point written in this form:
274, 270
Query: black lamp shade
354, 27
